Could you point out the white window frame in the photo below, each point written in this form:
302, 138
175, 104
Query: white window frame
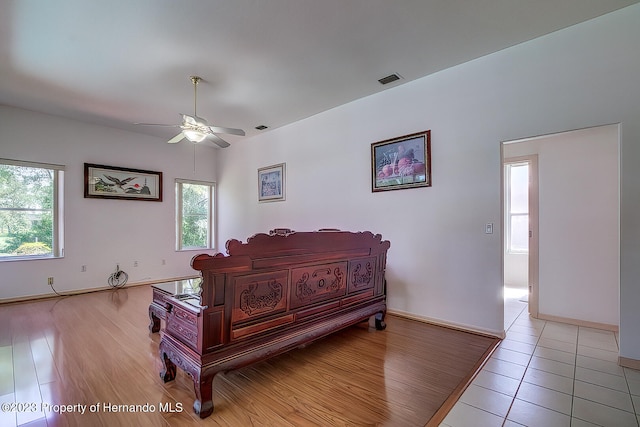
211, 219
57, 249
509, 214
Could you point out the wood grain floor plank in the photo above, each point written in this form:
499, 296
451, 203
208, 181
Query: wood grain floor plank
96, 349
6, 370
8, 418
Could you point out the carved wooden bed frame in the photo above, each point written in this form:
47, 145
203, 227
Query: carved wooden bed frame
274, 293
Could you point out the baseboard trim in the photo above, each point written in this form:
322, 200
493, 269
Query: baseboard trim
578, 322
629, 363
459, 326
89, 290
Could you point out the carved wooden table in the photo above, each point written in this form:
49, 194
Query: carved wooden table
161, 293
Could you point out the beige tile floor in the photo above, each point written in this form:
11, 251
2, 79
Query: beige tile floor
547, 374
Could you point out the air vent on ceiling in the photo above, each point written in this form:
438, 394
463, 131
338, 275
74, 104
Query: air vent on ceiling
261, 127
389, 79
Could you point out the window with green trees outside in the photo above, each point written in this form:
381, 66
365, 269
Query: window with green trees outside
30, 210
195, 218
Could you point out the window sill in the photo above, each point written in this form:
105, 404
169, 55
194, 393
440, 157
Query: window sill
28, 258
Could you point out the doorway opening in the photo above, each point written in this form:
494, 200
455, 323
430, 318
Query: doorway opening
520, 214
573, 233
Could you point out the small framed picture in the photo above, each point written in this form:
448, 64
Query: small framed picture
111, 182
403, 162
271, 183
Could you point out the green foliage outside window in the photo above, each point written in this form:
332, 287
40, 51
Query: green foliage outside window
26, 210
195, 215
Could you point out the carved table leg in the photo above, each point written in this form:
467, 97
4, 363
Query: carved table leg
203, 404
169, 371
154, 326
379, 318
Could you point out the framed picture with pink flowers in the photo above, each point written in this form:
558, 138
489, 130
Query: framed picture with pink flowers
403, 162
111, 182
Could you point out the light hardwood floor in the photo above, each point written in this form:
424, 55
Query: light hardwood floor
95, 349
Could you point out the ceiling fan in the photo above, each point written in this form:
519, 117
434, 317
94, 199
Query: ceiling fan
196, 129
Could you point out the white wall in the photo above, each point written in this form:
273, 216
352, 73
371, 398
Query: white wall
578, 223
441, 264
99, 232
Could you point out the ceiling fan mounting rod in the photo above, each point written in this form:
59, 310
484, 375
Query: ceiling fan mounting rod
195, 80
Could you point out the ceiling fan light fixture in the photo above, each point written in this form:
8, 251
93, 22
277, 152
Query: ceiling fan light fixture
194, 135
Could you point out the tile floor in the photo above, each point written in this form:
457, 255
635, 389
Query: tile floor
547, 374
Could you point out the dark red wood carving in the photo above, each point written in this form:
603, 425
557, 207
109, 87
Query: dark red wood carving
314, 283
269, 295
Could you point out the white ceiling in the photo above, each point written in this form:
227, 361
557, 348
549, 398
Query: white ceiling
263, 62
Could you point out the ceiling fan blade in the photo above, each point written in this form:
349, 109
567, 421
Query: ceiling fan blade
217, 140
179, 137
156, 124
188, 119
230, 131
194, 120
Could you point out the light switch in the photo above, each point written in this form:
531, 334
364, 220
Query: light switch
488, 229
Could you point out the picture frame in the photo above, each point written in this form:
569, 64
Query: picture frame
272, 183
402, 162
111, 182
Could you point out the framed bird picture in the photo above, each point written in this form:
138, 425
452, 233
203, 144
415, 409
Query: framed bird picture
109, 182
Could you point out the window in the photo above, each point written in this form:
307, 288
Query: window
31, 223
195, 212
517, 178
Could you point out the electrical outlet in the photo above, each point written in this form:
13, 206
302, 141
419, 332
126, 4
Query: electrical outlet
135, 263
50, 281
83, 268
